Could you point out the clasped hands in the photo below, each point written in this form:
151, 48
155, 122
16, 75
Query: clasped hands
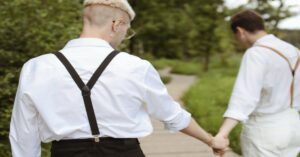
219, 144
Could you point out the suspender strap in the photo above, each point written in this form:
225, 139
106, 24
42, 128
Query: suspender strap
293, 70
101, 68
86, 88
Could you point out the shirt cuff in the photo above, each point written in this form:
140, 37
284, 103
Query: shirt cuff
179, 122
235, 115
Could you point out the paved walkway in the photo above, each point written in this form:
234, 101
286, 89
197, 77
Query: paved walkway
164, 144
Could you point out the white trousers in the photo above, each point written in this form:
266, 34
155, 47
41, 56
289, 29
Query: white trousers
276, 135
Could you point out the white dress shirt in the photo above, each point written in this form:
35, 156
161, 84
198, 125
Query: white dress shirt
264, 80
49, 105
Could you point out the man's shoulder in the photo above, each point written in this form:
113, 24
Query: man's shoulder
41, 61
133, 60
257, 53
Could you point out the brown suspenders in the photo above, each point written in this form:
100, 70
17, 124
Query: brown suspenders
293, 70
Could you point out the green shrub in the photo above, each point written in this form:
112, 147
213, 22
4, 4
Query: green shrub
191, 67
187, 68
163, 63
166, 79
207, 100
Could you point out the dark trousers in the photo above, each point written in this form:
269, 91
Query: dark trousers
107, 147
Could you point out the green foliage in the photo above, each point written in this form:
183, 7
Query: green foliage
291, 36
177, 29
187, 68
272, 14
8, 84
163, 63
27, 29
35, 27
208, 98
46, 150
166, 79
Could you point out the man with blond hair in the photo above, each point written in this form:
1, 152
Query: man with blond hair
61, 99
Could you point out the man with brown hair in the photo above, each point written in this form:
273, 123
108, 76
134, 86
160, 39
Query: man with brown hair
61, 99
266, 95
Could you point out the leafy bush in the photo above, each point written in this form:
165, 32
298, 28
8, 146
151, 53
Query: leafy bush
28, 29
166, 79
208, 98
163, 63
187, 68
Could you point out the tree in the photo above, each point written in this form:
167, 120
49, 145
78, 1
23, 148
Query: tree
27, 29
272, 13
178, 29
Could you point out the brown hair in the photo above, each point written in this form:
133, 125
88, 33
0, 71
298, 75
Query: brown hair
250, 20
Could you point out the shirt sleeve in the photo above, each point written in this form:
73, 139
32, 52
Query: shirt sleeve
160, 105
24, 135
248, 86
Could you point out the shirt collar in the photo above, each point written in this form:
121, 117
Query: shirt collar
264, 39
87, 42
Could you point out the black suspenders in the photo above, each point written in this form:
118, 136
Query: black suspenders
86, 88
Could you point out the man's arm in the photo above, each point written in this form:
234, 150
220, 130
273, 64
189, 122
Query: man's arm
222, 137
224, 132
227, 127
219, 146
24, 135
162, 107
196, 131
246, 93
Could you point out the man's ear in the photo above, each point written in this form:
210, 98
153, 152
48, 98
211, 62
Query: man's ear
116, 25
240, 30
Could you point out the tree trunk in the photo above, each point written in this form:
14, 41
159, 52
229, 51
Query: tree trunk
206, 61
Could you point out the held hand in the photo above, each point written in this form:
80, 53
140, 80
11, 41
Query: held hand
220, 142
220, 145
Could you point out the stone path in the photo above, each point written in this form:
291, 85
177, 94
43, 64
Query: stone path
164, 144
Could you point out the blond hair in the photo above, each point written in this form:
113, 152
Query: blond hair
120, 4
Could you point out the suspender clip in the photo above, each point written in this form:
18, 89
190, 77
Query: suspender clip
86, 91
97, 138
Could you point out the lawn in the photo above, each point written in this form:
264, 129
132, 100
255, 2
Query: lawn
178, 66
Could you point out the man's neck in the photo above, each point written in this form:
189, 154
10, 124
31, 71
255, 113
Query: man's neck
91, 32
256, 36
95, 34
91, 35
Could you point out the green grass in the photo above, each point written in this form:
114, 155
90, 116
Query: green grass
207, 99
178, 66
187, 68
163, 63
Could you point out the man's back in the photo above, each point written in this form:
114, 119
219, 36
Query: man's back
278, 75
264, 81
117, 95
50, 106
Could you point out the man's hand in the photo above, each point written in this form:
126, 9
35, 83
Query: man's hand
220, 144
